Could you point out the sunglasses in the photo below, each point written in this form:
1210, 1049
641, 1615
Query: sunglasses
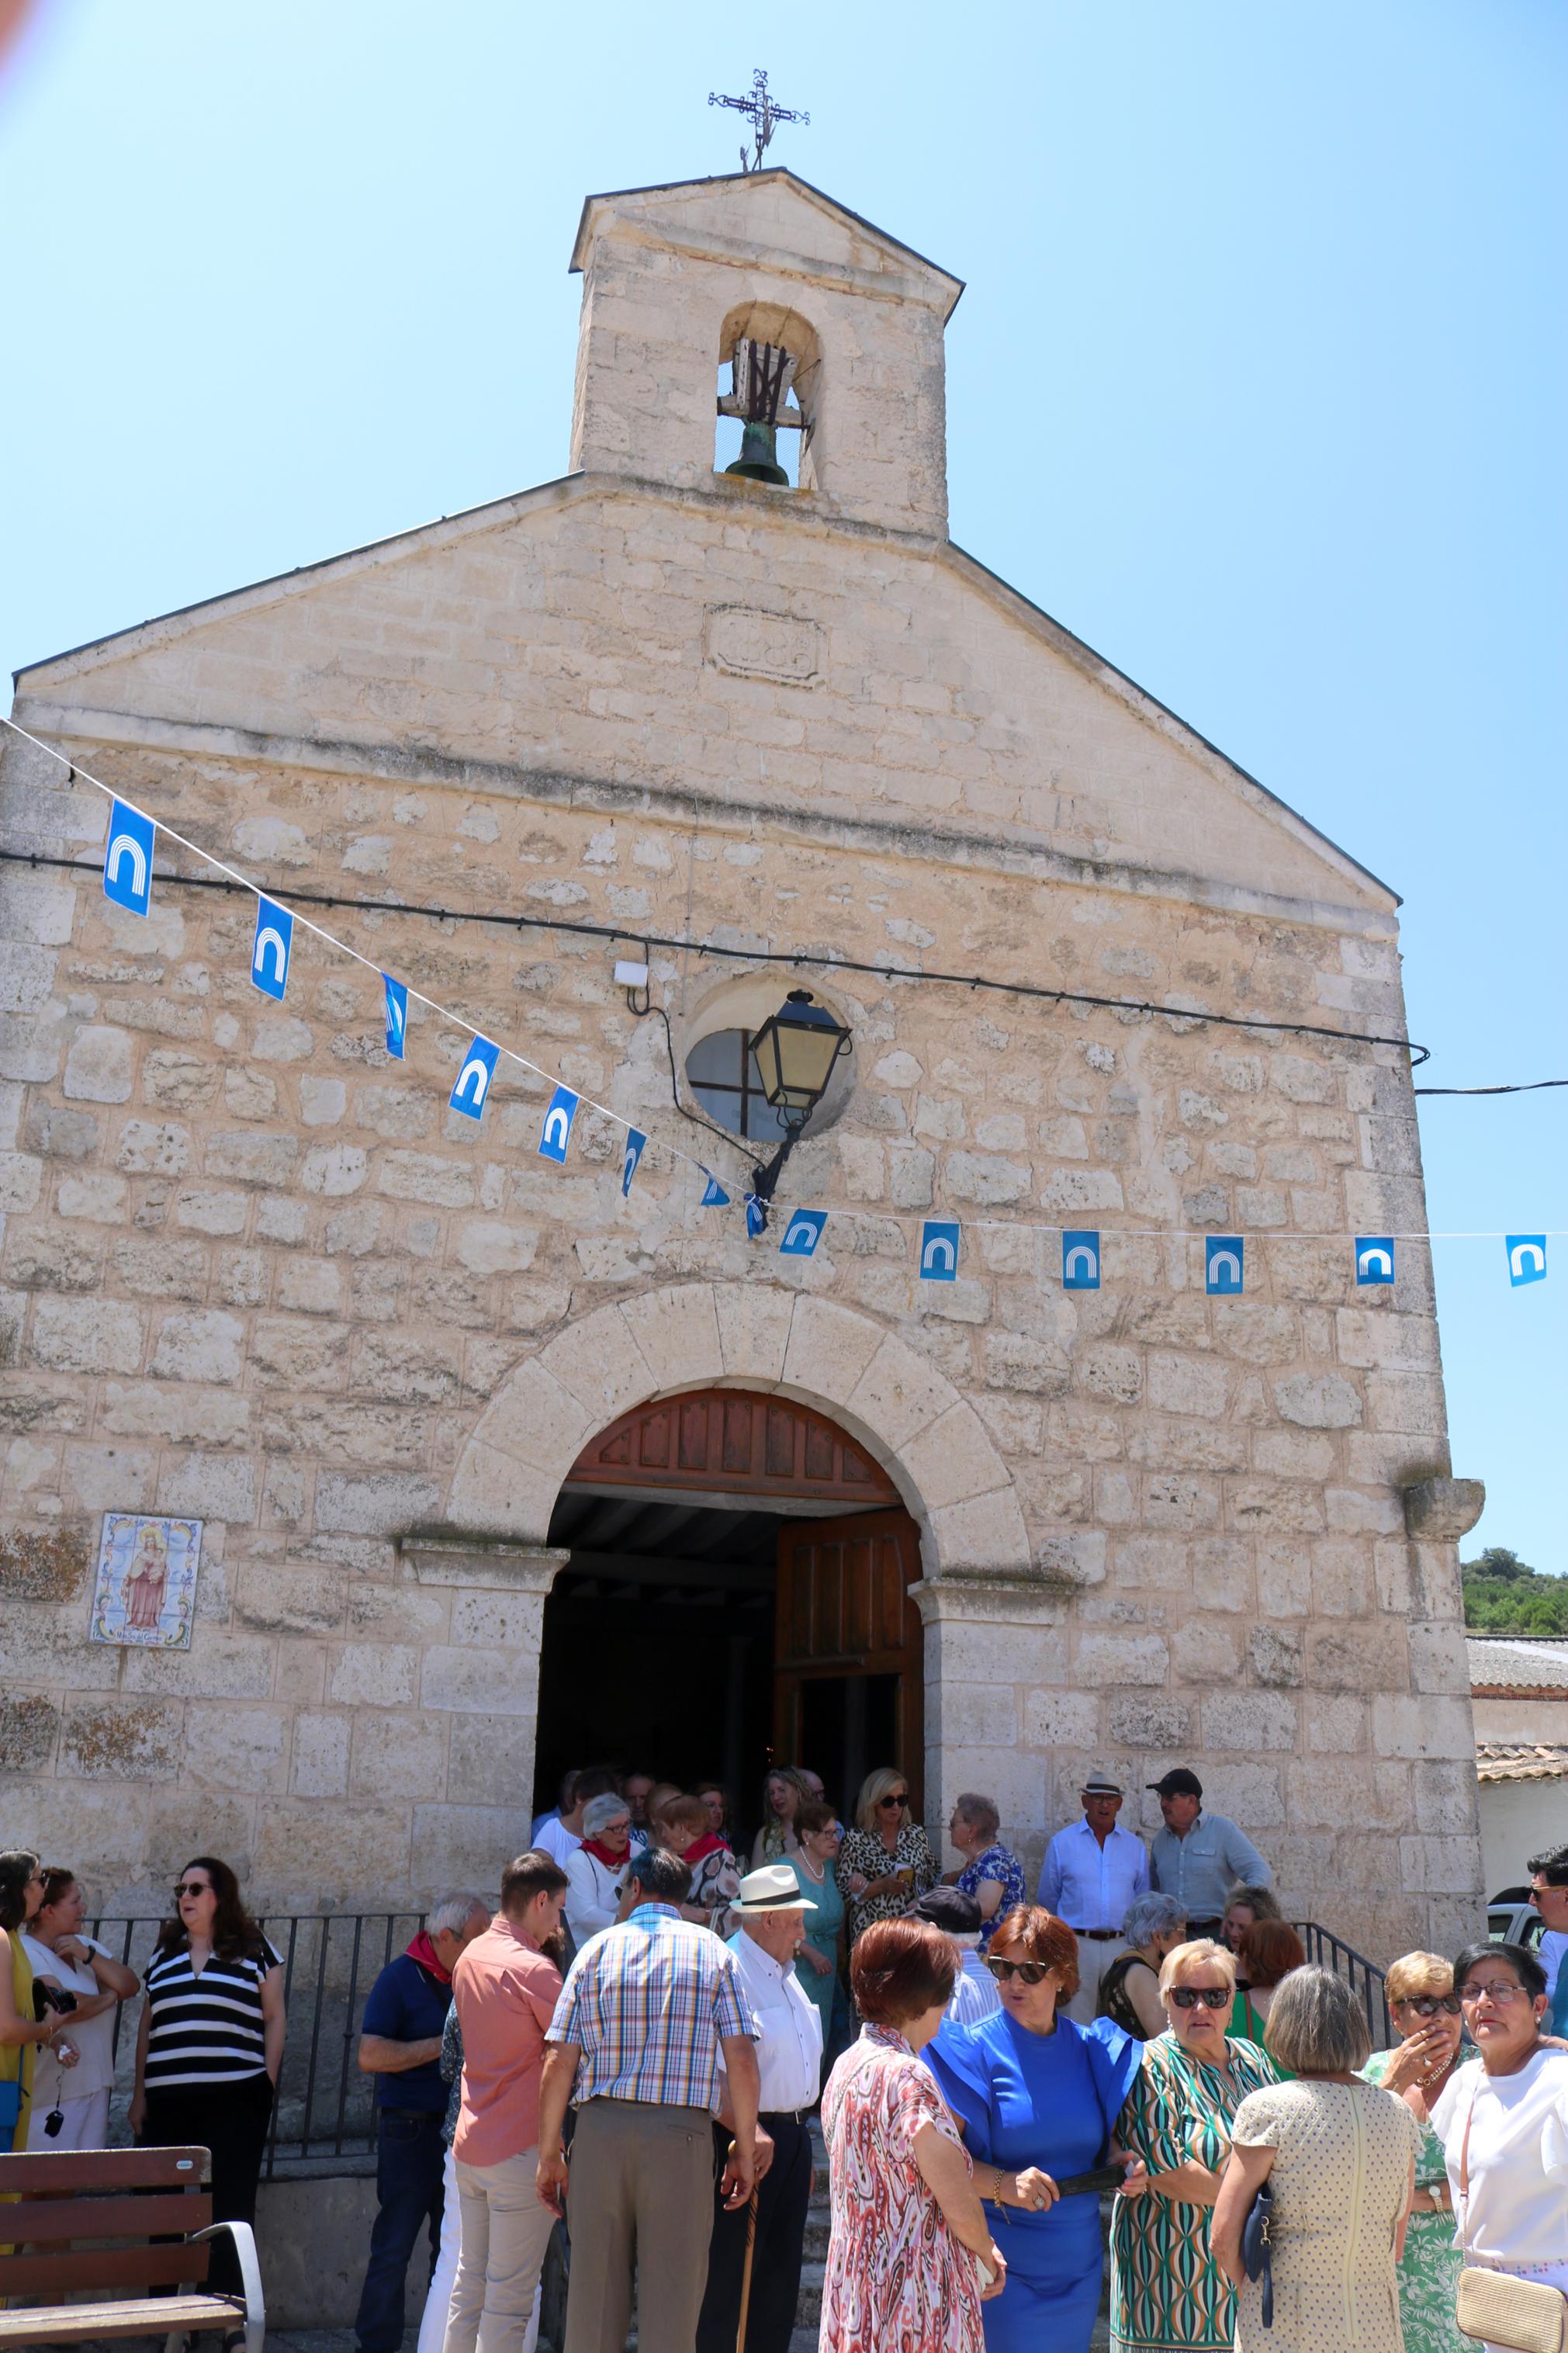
1212, 1997
1427, 2005
894, 1802
1030, 1971
1537, 1894
192, 1887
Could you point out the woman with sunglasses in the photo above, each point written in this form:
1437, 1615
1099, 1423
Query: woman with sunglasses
1167, 2290
209, 2046
1425, 2013
1503, 2121
884, 1862
1037, 2096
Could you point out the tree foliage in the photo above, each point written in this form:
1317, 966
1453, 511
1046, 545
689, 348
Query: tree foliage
1503, 1594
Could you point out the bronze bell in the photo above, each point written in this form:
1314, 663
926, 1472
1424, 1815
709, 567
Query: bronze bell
759, 458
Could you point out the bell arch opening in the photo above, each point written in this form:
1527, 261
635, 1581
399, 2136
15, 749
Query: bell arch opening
737, 1596
768, 378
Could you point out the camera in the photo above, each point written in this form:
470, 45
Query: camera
48, 1997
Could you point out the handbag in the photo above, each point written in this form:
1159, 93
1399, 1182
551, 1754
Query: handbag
1493, 2305
1256, 2256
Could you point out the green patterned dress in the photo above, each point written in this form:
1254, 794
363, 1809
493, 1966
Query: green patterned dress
1166, 2294
1429, 2275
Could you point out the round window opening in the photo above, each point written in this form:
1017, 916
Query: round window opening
721, 1071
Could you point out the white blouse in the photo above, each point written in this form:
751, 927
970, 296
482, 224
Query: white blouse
93, 2037
593, 1893
1517, 2211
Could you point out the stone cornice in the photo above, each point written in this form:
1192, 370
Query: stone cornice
976, 1599
470, 1563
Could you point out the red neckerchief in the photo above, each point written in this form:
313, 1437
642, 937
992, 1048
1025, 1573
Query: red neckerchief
423, 1951
700, 1849
602, 1855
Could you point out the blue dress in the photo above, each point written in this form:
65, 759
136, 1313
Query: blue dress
1049, 2100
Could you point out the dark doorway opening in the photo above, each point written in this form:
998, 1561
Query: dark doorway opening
658, 1644
730, 1602
849, 1724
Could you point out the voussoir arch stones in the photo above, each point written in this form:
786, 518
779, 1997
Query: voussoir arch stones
699, 1334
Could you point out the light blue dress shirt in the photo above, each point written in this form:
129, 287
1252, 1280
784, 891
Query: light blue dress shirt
1201, 1869
1090, 1885
975, 1994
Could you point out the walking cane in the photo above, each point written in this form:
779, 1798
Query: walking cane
746, 2273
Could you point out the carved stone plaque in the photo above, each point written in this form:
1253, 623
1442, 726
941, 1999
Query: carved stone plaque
764, 644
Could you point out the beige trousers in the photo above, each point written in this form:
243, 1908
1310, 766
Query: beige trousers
640, 2193
1094, 1958
503, 2233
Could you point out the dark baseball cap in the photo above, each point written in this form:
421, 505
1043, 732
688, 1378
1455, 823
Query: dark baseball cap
1179, 1782
949, 1909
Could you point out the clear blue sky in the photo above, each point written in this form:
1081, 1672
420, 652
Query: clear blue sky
1258, 385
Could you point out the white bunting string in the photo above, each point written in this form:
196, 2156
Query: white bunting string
128, 875
941, 1245
270, 958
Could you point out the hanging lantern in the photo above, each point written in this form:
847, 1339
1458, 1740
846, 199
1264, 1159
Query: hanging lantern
796, 1052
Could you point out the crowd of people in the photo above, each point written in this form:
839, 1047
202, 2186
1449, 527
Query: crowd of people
635, 2044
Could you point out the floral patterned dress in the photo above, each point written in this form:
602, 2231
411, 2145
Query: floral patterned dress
997, 1864
1167, 2290
898, 2281
863, 1851
1429, 2275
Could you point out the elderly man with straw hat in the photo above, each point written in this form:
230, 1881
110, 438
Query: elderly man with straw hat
1092, 1871
755, 2255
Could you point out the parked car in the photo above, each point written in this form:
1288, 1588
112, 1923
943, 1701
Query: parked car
1512, 1918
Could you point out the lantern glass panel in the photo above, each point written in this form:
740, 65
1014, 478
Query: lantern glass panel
806, 1058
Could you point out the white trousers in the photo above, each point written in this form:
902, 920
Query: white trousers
439, 2303
84, 2124
433, 2325
1094, 1958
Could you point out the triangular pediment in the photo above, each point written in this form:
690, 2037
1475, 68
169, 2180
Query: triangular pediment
768, 215
459, 650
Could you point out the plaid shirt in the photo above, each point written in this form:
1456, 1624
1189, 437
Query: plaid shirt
647, 2003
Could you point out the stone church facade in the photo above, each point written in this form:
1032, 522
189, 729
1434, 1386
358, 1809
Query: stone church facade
256, 1273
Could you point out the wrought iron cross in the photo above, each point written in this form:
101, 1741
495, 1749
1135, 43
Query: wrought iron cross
762, 114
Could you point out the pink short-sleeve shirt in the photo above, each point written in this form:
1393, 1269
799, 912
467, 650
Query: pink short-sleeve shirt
505, 1990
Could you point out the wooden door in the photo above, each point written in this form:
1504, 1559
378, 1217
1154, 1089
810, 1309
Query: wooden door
843, 1614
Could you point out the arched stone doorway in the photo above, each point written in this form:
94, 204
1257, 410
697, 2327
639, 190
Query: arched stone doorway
735, 1587
992, 1615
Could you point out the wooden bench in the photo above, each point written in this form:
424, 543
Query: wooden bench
124, 2202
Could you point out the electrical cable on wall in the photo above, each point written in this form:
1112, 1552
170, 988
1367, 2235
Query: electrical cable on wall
133, 835
1418, 1053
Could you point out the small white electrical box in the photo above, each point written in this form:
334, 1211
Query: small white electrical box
629, 974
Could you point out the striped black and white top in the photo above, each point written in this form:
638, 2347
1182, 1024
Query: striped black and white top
204, 2028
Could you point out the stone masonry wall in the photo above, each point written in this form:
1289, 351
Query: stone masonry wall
253, 1270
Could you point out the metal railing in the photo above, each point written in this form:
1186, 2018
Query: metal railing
323, 2119
1332, 1952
